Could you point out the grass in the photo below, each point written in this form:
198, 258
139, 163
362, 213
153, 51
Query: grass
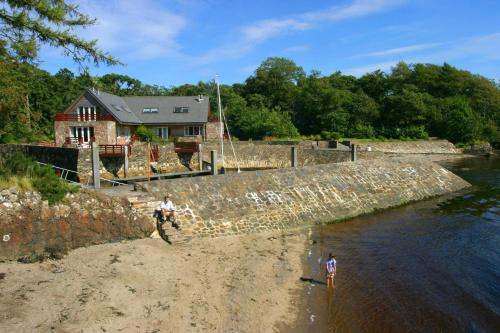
21, 183
21, 172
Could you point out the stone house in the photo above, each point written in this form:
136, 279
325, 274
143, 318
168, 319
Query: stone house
108, 119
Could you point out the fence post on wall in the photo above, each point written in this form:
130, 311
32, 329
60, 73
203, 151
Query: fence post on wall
95, 165
200, 156
353, 152
294, 156
125, 166
213, 161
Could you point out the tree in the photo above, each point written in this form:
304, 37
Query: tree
404, 114
26, 24
276, 79
460, 123
118, 84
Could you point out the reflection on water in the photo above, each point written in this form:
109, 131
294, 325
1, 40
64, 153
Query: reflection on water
432, 266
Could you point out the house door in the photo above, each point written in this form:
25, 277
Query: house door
82, 134
162, 132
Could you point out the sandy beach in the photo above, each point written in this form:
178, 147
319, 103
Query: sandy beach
230, 284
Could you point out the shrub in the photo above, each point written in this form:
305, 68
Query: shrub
326, 135
22, 172
144, 133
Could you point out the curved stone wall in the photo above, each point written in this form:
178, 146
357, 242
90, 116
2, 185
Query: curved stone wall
276, 199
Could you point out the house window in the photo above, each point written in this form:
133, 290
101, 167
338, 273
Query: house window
150, 110
81, 134
123, 131
86, 113
162, 132
193, 130
181, 109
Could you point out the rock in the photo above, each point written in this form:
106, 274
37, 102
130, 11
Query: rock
13, 190
7, 204
13, 197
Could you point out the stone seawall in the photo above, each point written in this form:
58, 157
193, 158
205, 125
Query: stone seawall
276, 199
29, 227
273, 156
411, 147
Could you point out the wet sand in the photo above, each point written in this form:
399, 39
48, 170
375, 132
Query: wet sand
230, 284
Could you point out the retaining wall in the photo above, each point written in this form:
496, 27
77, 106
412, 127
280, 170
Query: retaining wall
272, 156
276, 199
411, 147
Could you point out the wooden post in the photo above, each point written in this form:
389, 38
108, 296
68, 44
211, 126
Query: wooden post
353, 152
125, 167
148, 166
294, 156
200, 156
213, 161
95, 165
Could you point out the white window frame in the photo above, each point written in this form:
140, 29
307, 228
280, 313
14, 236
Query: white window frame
182, 109
150, 110
123, 131
162, 132
86, 113
193, 130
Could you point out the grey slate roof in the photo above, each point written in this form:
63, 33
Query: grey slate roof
129, 110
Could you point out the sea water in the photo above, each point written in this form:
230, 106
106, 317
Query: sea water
431, 266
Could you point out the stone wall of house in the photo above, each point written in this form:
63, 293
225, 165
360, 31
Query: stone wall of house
255, 201
104, 131
212, 131
30, 228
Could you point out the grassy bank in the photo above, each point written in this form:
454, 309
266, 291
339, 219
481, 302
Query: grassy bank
21, 172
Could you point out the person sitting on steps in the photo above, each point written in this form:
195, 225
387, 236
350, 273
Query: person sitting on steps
167, 209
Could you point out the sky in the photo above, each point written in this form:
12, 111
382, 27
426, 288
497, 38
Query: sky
173, 42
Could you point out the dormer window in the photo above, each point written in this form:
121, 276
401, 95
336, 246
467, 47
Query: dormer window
150, 110
181, 109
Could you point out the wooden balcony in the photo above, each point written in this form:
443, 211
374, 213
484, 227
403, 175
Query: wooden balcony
114, 150
187, 147
83, 118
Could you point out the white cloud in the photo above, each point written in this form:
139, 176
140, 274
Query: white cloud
479, 48
361, 70
400, 50
263, 30
133, 29
297, 48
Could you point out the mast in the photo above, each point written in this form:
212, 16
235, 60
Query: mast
221, 123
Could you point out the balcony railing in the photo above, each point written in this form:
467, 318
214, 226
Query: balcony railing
71, 140
83, 117
114, 150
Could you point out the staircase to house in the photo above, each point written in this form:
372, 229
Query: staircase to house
146, 204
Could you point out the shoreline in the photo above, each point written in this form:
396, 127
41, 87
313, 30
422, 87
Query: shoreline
231, 284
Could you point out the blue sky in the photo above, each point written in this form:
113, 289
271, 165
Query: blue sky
186, 41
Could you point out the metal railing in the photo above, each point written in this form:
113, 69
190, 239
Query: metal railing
63, 173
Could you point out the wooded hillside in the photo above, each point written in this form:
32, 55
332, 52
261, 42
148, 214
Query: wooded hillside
281, 100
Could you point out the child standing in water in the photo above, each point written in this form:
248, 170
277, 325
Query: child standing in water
331, 270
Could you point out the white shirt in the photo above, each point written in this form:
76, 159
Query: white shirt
167, 205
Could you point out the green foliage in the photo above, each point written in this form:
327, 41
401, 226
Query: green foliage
279, 100
257, 123
144, 133
26, 25
325, 135
43, 179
